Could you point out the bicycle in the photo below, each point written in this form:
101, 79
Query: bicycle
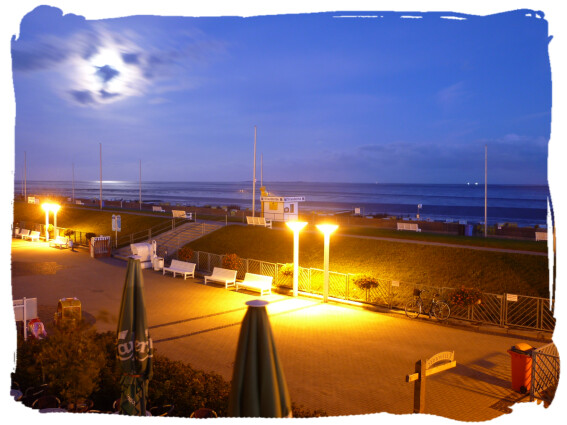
415, 307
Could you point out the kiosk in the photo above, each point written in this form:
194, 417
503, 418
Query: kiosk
281, 208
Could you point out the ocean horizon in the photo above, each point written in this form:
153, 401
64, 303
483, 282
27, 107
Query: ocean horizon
525, 205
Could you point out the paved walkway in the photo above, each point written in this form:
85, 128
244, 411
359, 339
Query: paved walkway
343, 360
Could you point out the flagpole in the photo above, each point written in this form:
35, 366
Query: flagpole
25, 177
73, 164
254, 179
100, 144
485, 190
140, 185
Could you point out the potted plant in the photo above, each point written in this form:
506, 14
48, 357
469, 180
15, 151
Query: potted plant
231, 261
364, 281
285, 274
185, 254
464, 297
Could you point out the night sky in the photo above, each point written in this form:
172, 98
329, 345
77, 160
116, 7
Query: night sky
344, 97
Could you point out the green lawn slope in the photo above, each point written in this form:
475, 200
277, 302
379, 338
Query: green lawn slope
494, 272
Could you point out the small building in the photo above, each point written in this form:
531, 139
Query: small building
281, 208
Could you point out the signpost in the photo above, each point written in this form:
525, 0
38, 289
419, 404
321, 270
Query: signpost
424, 368
116, 227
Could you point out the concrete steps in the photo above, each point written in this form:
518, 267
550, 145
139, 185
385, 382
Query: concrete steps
172, 240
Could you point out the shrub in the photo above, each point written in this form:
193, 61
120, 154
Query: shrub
231, 261
68, 233
465, 296
88, 236
364, 281
185, 253
286, 269
71, 361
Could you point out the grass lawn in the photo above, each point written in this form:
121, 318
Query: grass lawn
86, 220
493, 272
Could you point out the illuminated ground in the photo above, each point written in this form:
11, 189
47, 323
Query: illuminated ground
344, 360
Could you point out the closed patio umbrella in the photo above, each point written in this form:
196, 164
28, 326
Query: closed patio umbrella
135, 350
258, 386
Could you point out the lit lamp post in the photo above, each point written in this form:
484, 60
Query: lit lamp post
327, 229
47, 208
296, 226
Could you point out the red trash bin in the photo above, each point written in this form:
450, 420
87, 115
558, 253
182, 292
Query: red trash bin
521, 367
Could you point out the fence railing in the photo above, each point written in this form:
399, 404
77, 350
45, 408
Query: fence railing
545, 373
80, 237
496, 309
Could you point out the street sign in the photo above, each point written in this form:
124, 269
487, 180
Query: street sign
116, 223
424, 368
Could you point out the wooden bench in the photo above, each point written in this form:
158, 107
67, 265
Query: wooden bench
409, 226
256, 282
182, 267
226, 276
32, 236
259, 221
60, 242
540, 236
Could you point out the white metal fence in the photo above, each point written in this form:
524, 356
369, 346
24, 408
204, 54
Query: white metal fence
496, 309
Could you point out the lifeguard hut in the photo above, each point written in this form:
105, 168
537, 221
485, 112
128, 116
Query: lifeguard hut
280, 208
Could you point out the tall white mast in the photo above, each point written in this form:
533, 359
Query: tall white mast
261, 170
73, 166
254, 179
140, 184
485, 189
100, 175
25, 178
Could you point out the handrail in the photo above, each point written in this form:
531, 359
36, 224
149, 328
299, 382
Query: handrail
149, 233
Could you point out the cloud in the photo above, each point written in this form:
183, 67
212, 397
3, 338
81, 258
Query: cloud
452, 95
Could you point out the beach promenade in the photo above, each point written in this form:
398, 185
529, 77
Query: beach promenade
342, 359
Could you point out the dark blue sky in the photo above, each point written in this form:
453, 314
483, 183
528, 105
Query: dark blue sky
388, 98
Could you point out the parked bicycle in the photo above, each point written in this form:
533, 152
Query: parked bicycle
437, 308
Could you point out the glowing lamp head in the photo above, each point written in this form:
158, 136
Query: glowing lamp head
327, 229
296, 226
50, 207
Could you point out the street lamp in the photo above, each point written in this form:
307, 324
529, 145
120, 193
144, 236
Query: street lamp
296, 226
327, 229
47, 208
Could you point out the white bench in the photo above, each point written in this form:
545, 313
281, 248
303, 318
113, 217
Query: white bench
158, 209
259, 221
226, 276
540, 236
60, 241
257, 282
21, 233
409, 226
32, 236
182, 267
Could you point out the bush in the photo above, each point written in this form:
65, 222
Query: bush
364, 281
286, 270
231, 261
71, 361
88, 236
465, 296
68, 233
185, 253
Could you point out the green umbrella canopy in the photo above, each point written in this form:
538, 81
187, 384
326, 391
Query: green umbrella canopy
134, 348
258, 385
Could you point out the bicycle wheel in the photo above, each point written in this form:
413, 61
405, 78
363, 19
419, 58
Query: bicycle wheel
441, 310
413, 309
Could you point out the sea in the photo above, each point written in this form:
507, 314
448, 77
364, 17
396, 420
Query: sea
524, 205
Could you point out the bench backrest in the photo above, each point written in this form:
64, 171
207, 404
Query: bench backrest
224, 273
34, 233
258, 277
24, 232
183, 265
